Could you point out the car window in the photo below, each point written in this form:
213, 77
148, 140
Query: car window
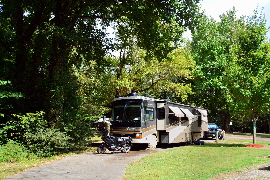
212, 126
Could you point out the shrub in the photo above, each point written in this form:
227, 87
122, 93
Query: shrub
33, 131
14, 152
47, 141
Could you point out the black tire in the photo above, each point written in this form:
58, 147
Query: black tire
127, 149
220, 136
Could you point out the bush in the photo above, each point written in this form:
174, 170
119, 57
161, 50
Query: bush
33, 131
47, 141
14, 152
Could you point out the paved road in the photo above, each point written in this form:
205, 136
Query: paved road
92, 165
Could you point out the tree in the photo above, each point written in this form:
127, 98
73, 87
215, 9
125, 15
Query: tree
160, 78
248, 71
46, 40
232, 58
210, 50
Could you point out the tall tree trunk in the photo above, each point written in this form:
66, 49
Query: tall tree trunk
254, 120
56, 78
25, 77
58, 68
226, 119
269, 127
21, 53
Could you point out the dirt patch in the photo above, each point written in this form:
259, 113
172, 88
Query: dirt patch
255, 146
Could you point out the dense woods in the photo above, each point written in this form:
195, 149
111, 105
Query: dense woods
60, 65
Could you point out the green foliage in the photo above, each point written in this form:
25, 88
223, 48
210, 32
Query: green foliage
31, 121
232, 67
136, 72
44, 40
6, 93
54, 54
7, 98
14, 152
48, 141
163, 79
17, 126
33, 131
94, 94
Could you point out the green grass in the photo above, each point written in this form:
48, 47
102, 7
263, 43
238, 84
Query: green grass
198, 162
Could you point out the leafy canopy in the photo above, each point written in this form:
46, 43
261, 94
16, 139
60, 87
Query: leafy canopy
232, 65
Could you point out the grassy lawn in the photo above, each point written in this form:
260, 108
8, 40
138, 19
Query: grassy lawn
199, 162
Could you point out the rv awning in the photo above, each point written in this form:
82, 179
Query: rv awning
177, 111
203, 114
187, 113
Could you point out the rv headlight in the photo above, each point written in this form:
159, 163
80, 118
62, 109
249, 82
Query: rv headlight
139, 135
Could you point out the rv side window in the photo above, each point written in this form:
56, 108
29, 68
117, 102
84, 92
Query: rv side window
149, 114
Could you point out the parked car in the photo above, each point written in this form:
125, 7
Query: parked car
212, 129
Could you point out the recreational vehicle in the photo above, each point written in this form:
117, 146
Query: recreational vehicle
150, 121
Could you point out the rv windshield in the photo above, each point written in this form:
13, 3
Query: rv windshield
127, 113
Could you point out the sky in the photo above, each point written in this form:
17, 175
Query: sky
214, 8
